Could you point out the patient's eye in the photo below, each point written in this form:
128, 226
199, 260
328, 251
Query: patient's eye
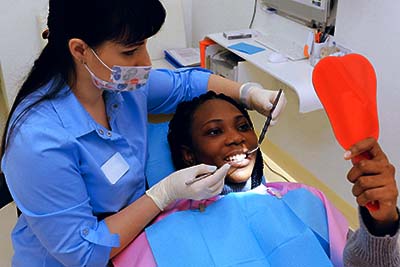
244, 127
213, 131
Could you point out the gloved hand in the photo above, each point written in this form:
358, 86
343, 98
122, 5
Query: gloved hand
173, 186
254, 96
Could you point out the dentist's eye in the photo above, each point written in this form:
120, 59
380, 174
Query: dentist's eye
130, 52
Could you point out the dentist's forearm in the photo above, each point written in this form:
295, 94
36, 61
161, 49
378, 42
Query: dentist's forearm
130, 222
219, 84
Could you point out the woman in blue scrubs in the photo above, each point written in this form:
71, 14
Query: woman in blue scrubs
75, 148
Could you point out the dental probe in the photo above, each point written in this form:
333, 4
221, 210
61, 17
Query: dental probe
269, 118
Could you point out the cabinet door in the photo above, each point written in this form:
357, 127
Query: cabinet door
248, 72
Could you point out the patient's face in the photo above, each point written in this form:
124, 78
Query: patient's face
221, 134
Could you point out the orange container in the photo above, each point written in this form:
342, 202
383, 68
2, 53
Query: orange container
203, 45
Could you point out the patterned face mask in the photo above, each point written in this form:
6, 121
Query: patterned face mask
123, 78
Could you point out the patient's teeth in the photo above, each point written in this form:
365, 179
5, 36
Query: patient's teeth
237, 158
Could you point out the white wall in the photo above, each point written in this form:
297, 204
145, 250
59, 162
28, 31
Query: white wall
173, 32
187, 13
20, 42
209, 16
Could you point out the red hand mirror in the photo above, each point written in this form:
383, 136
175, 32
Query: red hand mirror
346, 87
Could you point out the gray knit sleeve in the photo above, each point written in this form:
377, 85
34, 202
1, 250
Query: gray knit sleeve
364, 249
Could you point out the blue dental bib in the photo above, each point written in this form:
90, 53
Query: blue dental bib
245, 229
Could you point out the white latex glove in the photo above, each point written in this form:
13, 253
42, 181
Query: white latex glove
254, 96
173, 186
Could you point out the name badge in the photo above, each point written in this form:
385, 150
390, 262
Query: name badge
115, 168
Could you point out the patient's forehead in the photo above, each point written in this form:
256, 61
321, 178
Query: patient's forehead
215, 109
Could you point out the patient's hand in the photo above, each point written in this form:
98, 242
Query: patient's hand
373, 180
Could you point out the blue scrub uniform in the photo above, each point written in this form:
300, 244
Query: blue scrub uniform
64, 169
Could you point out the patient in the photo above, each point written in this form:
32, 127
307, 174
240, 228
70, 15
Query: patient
215, 130
272, 224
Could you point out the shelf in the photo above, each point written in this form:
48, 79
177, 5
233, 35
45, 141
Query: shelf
296, 74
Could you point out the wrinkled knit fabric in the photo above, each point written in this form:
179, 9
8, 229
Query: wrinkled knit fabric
236, 187
365, 250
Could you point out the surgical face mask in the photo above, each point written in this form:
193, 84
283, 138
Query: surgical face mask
123, 78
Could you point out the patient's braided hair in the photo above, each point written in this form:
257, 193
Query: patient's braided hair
180, 128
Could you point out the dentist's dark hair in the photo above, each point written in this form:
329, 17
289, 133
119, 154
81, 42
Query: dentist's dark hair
180, 132
94, 21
